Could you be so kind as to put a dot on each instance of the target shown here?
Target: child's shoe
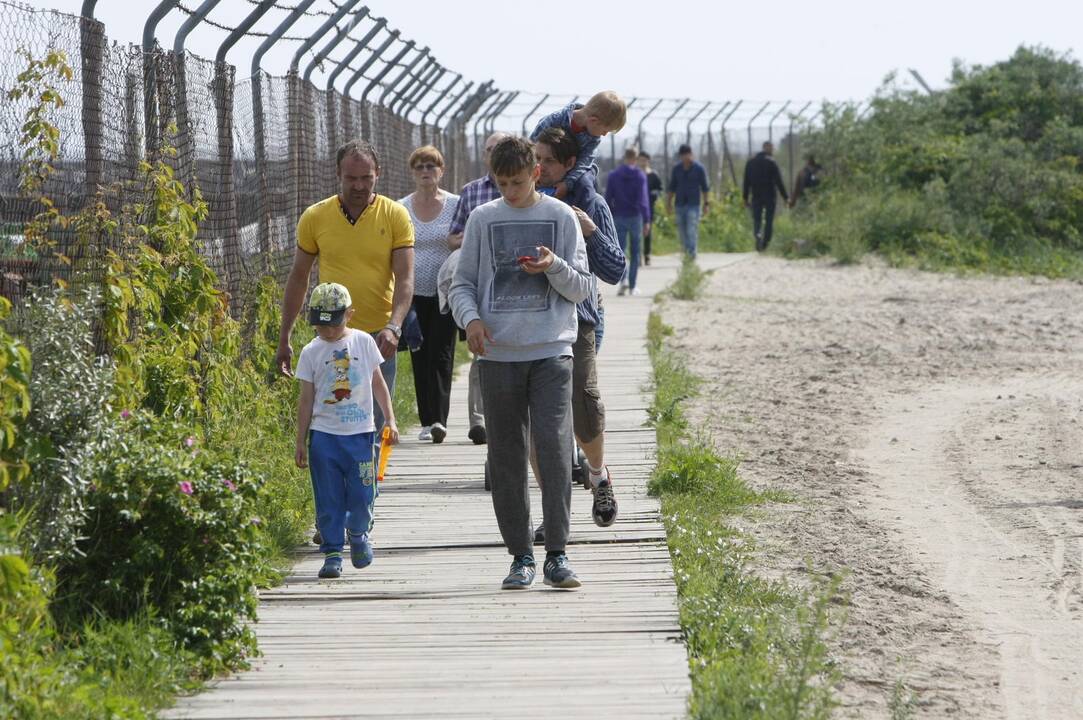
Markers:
(360, 550)
(332, 566)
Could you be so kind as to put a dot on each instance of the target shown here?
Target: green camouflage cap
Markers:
(327, 304)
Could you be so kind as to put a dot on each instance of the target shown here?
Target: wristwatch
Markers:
(396, 329)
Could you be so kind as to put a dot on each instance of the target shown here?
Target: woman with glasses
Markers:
(431, 210)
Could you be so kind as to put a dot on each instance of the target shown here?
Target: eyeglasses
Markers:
(426, 166)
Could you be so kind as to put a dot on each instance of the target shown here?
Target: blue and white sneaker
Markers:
(332, 566)
(558, 574)
(360, 550)
(521, 575)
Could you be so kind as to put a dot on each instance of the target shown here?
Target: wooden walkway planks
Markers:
(425, 631)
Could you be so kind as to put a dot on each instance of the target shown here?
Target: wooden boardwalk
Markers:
(425, 631)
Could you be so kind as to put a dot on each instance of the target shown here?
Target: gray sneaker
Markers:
(558, 574)
(521, 575)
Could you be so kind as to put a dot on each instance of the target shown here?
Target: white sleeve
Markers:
(305, 370)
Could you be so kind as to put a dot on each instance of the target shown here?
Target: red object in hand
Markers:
(527, 258)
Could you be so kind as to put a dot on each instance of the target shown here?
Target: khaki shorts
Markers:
(588, 412)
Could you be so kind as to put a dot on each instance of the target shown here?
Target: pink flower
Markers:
(229, 484)
(189, 441)
(125, 414)
(186, 487)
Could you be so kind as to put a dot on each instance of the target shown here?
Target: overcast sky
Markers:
(707, 50)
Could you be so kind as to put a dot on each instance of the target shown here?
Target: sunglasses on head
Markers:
(426, 166)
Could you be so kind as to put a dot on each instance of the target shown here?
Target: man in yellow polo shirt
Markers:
(364, 241)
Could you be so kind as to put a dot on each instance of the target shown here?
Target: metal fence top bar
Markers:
(323, 30)
(151, 26)
(274, 37)
(241, 30)
(359, 46)
(190, 24)
(334, 42)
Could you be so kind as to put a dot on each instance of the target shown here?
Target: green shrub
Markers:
(71, 419)
(14, 400)
(173, 529)
(984, 175)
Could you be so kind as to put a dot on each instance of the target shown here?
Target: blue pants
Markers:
(630, 231)
(344, 483)
(688, 228)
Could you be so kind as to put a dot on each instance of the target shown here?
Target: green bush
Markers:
(14, 400)
(173, 529)
(71, 418)
(984, 175)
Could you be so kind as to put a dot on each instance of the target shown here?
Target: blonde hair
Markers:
(609, 108)
(426, 153)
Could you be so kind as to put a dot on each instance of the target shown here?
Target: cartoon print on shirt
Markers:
(340, 387)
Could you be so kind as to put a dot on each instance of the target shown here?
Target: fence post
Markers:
(430, 77)
(92, 40)
(726, 156)
(751, 120)
(439, 99)
(639, 128)
(150, 79)
(526, 133)
(665, 134)
(710, 145)
(186, 154)
(261, 160)
(497, 97)
(771, 123)
(789, 138)
(334, 42)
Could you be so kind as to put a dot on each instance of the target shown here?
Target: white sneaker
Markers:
(426, 434)
(634, 292)
(622, 289)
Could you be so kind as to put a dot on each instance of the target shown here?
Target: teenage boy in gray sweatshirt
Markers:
(522, 269)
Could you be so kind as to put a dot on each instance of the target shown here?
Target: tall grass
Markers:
(756, 647)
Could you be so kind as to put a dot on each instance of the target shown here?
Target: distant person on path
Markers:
(629, 200)
(365, 242)
(473, 195)
(522, 269)
(654, 191)
(604, 113)
(556, 152)
(688, 185)
(340, 375)
(762, 179)
(808, 178)
(431, 211)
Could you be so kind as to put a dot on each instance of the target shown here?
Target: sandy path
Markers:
(931, 428)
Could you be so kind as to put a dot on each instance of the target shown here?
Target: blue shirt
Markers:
(687, 184)
(588, 144)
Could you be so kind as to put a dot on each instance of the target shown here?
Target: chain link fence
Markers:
(262, 148)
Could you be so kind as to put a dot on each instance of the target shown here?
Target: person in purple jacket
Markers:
(626, 194)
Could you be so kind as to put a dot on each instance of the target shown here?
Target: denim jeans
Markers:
(343, 483)
(630, 229)
(688, 228)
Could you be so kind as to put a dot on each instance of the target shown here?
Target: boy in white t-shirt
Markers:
(340, 375)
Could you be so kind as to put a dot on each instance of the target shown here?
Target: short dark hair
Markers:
(644, 154)
(511, 156)
(561, 142)
(361, 148)
(684, 149)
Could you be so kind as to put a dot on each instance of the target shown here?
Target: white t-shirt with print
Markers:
(341, 372)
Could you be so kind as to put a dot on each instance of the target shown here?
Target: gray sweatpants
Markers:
(534, 396)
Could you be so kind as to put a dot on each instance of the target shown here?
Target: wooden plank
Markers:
(425, 631)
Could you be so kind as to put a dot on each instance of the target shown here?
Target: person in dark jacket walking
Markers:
(762, 177)
(654, 191)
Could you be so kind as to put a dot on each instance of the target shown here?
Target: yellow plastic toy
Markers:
(385, 454)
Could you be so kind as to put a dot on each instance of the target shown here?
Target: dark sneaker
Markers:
(317, 539)
(477, 434)
(580, 474)
(360, 550)
(539, 534)
(521, 574)
(332, 566)
(439, 432)
(604, 508)
(558, 574)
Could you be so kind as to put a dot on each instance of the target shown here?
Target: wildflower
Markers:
(229, 483)
(186, 487)
(189, 441)
(125, 414)
(255, 521)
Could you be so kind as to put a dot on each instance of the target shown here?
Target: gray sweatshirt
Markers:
(531, 317)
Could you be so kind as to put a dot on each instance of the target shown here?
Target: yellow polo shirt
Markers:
(359, 255)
